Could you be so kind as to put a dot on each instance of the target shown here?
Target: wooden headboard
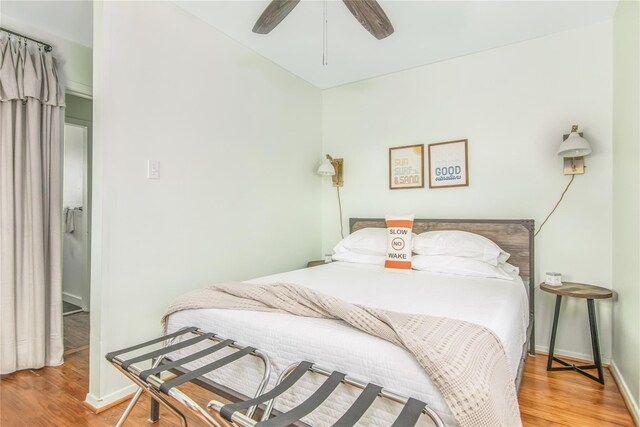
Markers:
(512, 235)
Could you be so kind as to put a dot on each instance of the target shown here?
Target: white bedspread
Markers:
(497, 304)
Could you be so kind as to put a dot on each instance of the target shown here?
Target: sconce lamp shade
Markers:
(326, 168)
(574, 145)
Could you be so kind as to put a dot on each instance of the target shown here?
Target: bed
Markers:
(506, 307)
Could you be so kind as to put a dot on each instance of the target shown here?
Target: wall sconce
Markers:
(333, 167)
(573, 148)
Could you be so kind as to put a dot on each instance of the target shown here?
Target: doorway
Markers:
(76, 224)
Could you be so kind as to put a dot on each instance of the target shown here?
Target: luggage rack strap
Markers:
(227, 411)
(168, 385)
(176, 363)
(166, 350)
(113, 354)
(306, 407)
(359, 407)
(410, 414)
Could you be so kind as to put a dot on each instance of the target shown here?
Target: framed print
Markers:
(406, 167)
(448, 164)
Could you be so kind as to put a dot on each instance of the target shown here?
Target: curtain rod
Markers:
(47, 47)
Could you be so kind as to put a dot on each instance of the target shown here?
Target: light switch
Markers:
(153, 169)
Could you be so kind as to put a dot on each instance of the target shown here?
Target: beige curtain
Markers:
(31, 126)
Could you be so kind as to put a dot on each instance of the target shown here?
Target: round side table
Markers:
(590, 293)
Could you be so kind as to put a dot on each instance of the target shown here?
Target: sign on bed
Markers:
(399, 229)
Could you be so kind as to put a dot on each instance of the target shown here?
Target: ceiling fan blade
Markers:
(370, 14)
(273, 15)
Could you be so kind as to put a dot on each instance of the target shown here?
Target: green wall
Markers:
(626, 199)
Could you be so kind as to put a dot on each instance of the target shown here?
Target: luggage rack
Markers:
(150, 381)
(218, 414)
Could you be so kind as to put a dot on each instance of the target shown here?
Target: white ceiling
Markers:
(425, 32)
(72, 20)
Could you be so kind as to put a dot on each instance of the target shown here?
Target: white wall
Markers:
(74, 152)
(75, 283)
(513, 104)
(238, 139)
(74, 60)
(626, 199)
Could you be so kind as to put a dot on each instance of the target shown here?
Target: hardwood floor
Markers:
(54, 396)
(76, 332)
(569, 399)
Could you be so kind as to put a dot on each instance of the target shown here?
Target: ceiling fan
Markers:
(367, 12)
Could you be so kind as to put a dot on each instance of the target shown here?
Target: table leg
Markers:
(554, 330)
(595, 340)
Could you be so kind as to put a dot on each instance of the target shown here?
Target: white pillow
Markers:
(510, 269)
(459, 244)
(459, 266)
(357, 258)
(367, 241)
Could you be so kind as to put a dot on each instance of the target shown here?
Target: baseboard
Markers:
(632, 405)
(109, 401)
(72, 299)
(572, 354)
